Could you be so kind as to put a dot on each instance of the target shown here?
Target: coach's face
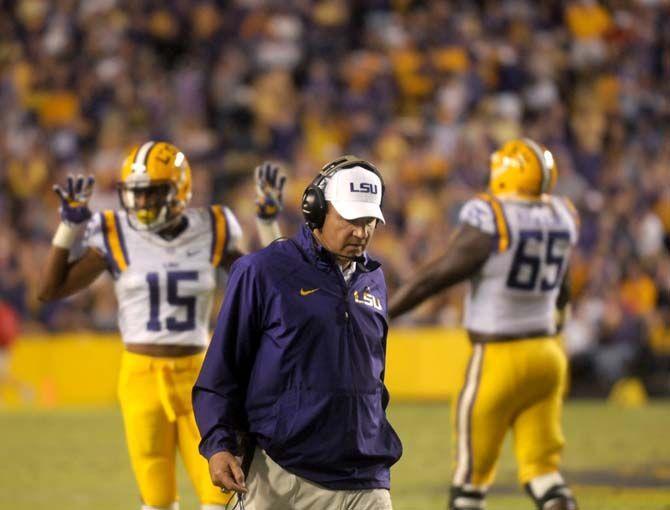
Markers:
(346, 237)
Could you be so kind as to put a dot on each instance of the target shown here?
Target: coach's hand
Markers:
(226, 472)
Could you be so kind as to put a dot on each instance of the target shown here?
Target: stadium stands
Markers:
(424, 88)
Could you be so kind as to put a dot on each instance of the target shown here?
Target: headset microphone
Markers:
(354, 258)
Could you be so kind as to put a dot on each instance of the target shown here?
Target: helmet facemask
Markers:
(150, 206)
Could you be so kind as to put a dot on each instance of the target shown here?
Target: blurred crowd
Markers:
(425, 89)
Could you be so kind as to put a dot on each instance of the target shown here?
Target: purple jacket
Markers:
(297, 360)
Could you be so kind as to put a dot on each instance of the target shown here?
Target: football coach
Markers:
(296, 363)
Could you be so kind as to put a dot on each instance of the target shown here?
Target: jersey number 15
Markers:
(173, 298)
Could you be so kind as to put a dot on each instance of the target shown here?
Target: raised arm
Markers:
(466, 251)
(270, 181)
(62, 278)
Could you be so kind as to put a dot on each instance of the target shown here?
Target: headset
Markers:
(314, 205)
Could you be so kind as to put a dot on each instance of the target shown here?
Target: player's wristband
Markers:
(266, 211)
(66, 235)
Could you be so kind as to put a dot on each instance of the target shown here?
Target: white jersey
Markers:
(515, 291)
(164, 288)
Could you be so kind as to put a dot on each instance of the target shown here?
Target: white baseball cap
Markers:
(355, 193)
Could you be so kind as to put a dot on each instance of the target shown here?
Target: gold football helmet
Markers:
(155, 185)
(523, 169)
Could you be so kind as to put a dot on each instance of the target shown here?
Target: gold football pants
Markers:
(515, 385)
(155, 396)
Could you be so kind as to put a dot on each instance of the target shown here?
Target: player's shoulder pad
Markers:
(570, 207)
(109, 224)
(568, 210)
(478, 212)
(197, 213)
(486, 212)
(94, 225)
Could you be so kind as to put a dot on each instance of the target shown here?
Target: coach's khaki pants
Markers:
(271, 487)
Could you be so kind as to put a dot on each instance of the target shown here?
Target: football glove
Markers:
(269, 190)
(74, 199)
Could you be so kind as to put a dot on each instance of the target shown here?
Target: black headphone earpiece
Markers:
(314, 206)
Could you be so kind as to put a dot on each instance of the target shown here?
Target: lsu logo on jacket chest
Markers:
(368, 299)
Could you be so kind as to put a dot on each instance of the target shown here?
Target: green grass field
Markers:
(616, 459)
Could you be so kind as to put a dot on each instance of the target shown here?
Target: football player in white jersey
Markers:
(164, 258)
(513, 245)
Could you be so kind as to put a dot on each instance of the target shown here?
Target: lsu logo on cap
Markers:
(356, 193)
(363, 187)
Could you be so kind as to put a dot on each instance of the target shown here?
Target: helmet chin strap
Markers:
(174, 227)
(158, 223)
(172, 222)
